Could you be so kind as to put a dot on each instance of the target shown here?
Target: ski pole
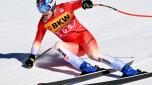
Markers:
(123, 12)
(44, 52)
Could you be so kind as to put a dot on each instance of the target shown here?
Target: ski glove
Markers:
(86, 4)
(29, 62)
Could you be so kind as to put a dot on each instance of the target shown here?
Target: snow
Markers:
(122, 36)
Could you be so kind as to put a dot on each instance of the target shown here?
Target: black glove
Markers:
(86, 4)
(29, 62)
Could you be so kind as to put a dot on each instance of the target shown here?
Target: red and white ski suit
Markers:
(65, 25)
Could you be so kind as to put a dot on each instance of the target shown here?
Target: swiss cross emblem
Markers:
(61, 10)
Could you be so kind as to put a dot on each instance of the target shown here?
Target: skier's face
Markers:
(48, 14)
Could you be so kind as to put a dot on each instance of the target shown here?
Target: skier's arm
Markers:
(36, 45)
(38, 39)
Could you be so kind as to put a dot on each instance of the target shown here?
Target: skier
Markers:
(76, 39)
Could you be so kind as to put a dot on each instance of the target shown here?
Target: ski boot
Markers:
(87, 68)
(129, 71)
(29, 62)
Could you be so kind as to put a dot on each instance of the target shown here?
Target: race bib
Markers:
(59, 22)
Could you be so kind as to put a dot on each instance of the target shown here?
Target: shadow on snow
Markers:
(19, 56)
(48, 62)
(51, 61)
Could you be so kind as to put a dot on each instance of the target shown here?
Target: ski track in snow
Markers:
(117, 34)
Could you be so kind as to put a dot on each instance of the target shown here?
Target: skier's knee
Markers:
(94, 57)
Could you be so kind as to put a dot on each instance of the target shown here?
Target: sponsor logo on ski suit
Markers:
(59, 22)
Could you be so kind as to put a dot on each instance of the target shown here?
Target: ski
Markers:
(125, 79)
(82, 77)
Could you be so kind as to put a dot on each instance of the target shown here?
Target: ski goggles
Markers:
(45, 6)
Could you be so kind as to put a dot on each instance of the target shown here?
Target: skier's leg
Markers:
(92, 50)
(69, 55)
